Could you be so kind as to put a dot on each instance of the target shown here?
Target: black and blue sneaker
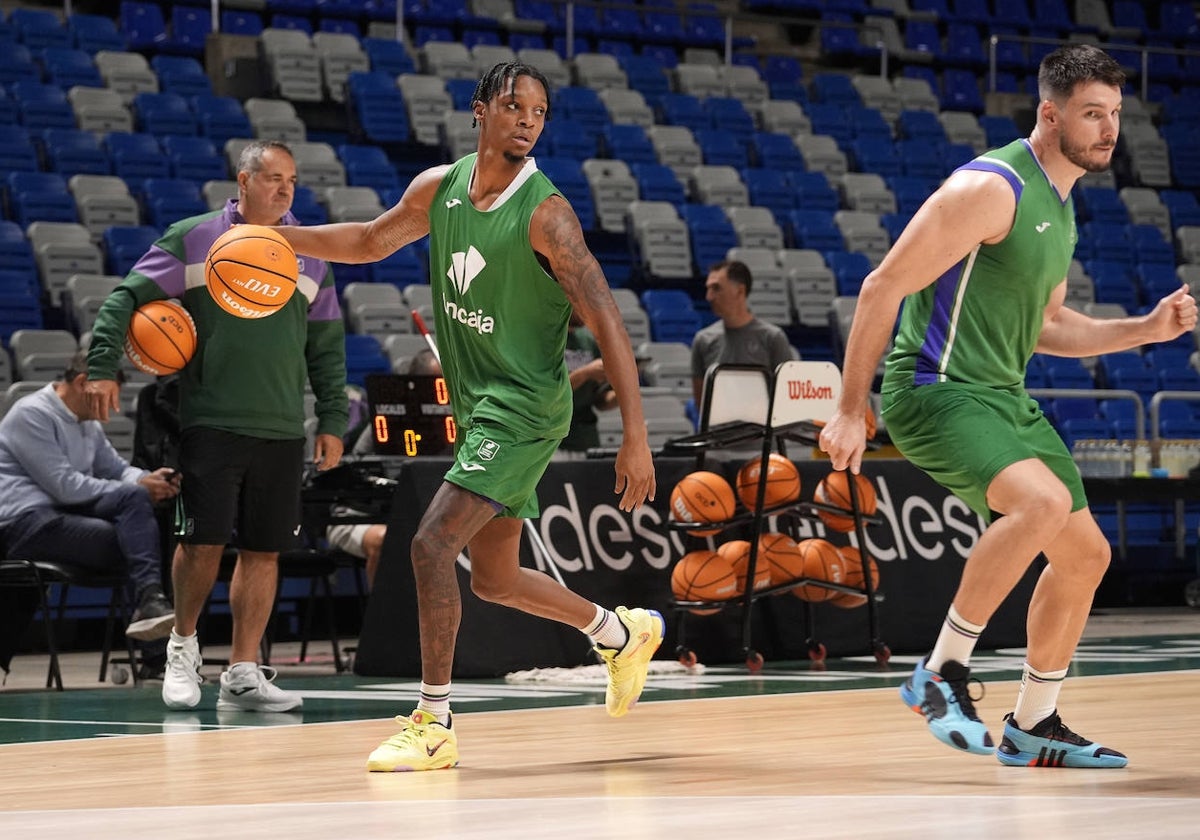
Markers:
(945, 703)
(1051, 744)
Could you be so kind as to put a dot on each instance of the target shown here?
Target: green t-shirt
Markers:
(980, 321)
(501, 319)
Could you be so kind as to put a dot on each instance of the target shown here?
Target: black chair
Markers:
(43, 574)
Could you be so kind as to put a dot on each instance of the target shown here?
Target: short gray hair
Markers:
(250, 160)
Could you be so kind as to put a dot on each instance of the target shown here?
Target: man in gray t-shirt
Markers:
(738, 337)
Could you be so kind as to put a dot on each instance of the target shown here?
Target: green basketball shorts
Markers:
(963, 435)
(496, 463)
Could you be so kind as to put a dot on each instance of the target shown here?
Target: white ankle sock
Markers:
(956, 641)
(435, 699)
(606, 630)
(1038, 696)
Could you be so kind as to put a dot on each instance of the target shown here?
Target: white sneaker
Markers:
(181, 679)
(250, 687)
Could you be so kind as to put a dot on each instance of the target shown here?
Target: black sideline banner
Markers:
(615, 558)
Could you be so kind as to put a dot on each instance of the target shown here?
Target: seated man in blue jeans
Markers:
(67, 495)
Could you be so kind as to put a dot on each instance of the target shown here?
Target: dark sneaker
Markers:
(153, 619)
(945, 702)
(1051, 744)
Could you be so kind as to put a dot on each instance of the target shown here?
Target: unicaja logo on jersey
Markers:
(464, 268)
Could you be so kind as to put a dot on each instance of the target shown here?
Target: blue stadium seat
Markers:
(775, 150)
(629, 143)
(16, 256)
(39, 196)
(658, 182)
(815, 229)
(1149, 246)
(960, 91)
(704, 26)
(583, 105)
(664, 54)
(728, 113)
(999, 129)
(72, 152)
(388, 56)
(910, 192)
(921, 158)
(17, 152)
(19, 66)
(142, 24)
(167, 200)
(815, 193)
(300, 24)
(920, 125)
(241, 22)
(190, 28)
(377, 107)
(136, 157)
(180, 74)
(1101, 204)
(221, 118)
(67, 67)
(92, 33)
(1079, 428)
(567, 175)
(964, 46)
(663, 25)
(1062, 372)
(401, 269)
(194, 158)
(923, 36)
(164, 113)
(368, 166)
(849, 268)
(364, 355)
(721, 147)
(683, 109)
(569, 138)
(1011, 13)
(42, 106)
(834, 89)
(832, 119)
(462, 93)
(309, 211)
(124, 246)
(876, 154)
(784, 76)
(771, 188)
(39, 29)
(645, 75)
(711, 233)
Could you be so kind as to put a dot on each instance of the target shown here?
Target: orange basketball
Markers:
(834, 490)
(161, 338)
(251, 271)
(702, 497)
(783, 481)
(738, 553)
(852, 576)
(780, 554)
(821, 561)
(703, 575)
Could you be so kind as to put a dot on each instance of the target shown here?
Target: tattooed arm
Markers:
(363, 242)
(556, 236)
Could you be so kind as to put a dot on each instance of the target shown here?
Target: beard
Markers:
(513, 158)
(1083, 156)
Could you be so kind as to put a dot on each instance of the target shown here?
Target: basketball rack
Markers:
(746, 404)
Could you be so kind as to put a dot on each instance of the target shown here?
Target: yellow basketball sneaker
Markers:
(627, 667)
(421, 744)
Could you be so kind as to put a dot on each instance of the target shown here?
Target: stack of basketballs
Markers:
(714, 576)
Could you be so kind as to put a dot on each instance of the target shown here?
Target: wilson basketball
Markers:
(783, 481)
(703, 575)
(251, 271)
(821, 561)
(852, 576)
(702, 497)
(780, 554)
(834, 490)
(161, 338)
(738, 553)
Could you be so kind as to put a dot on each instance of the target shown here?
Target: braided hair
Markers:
(500, 79)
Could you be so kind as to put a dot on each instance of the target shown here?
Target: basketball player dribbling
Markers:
(981, 271)
(508, 265)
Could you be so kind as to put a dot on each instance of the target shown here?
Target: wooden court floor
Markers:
(787, 753)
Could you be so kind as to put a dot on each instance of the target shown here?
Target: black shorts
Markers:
(239, 489)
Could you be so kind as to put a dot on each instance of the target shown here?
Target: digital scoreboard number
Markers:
(411, 415)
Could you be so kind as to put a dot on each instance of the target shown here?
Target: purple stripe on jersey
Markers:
(985, 165)
(164, 269)
(199, 239)
(938, 331)
(325, 306)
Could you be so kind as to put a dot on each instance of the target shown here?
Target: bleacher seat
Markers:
(163, 113)
(194, 158)
(124, 246)
(92, 33)
(128, 73)
(378, 107)
(41, 106)
(221, 118)
(103, 201)
(167, 200)
(180, 74)
(17, 152)
(39, 196)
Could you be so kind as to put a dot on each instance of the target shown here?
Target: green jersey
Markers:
(501, 319)
(980, 321)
